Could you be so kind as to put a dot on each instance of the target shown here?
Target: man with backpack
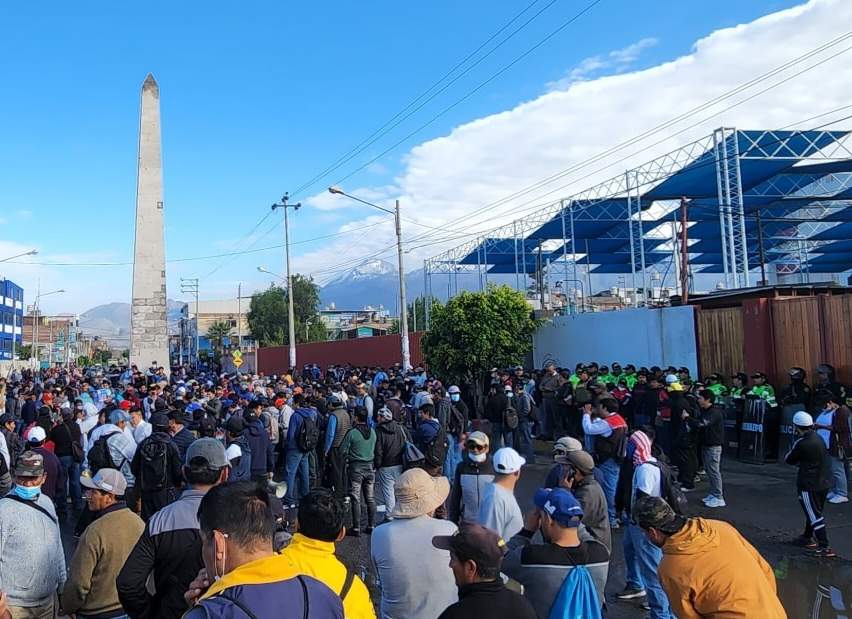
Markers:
(610, 446)
(302, 438)
(359, 448)
(431, 439)
(456, 424)
(112, 448)
(181, 436)
(262, 456)
(388, 456)
(156, 465)
(563, 562)
(337, 426)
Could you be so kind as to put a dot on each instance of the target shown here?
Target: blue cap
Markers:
(560, 505)
(193, 406)
(118, 415)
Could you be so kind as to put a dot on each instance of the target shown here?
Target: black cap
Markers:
(160, 420)
(759, 375)
(179, 416)
(235, 425)
(474, 542)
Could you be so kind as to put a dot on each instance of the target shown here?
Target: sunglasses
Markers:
(476, 447)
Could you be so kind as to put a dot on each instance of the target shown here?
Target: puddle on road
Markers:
(811, 588)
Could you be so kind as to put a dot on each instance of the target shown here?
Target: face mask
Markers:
(29, 493)
(455, 397)
(478, 458)
(509, 394)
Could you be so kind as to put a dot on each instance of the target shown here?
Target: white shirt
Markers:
(4, 451)
(596, 427)
(647, 478)
(284, 417)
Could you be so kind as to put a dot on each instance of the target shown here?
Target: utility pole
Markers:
(190, 285)
(240, 316)
(291, 321)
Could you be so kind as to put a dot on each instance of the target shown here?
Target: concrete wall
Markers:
(639, 336)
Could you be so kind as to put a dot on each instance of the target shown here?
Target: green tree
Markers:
(83, 361)
(217, 332)
(267, 316)
(417, 313)
(24, 352)
(101, 356)
(476, 331)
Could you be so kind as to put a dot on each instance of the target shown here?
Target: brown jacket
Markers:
(100, 555)
(710, 571)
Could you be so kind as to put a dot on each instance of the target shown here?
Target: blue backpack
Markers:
(577, 597)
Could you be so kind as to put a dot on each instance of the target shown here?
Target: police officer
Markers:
(762, 389)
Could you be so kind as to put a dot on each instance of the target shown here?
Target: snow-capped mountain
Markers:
(367, 270)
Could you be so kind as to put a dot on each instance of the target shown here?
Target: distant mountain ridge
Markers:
(111, 321)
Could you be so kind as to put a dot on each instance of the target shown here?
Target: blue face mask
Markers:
(29, 493)
(455, 397)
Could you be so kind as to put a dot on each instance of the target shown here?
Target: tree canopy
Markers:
(267, 316)
(476, 331)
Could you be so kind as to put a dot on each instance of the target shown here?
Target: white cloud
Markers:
(489, 158)
(616, 61)
(24, 213)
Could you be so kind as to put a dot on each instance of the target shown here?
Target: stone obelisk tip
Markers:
(150, 84)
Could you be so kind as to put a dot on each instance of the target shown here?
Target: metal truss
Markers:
(620, 200)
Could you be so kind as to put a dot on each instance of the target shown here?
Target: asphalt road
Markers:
(761, 505)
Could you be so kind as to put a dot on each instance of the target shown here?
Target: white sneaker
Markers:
(715, 502)
(830, 496)
(707, 499)
(838, 498)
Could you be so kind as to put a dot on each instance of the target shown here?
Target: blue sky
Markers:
(254, 103)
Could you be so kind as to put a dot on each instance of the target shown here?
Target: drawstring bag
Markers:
(577, 597)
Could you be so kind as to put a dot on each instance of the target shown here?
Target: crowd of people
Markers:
(199, 495)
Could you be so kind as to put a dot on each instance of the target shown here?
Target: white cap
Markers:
(453, 389)
(671, 378)
(507, 461)
(233, 452)
(36, 435)
(567, 444)
(803, 420)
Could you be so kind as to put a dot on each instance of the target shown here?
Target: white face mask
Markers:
(478, 458)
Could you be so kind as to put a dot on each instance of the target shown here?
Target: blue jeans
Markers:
(298, 469)
(606, 474)
(643, 560)
(72, 473)
(453, 457)
(523, 440)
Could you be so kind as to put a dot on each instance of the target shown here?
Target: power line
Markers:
(402, 115)
(472, 92)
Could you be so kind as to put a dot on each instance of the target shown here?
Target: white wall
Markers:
(646, 337)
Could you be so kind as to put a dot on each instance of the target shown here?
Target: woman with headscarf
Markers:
(641, 556)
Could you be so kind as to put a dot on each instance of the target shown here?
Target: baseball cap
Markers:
(803, 420)
(507, 461)
(385, 413)
(476, 543)
(653, 511)
(178, 415)
(479, 438)
(671, 378)
(580, 460)
(565, 445)
(160, 420)
(235, 425)
(233, 451)
(207, 424)
(210, 451)
(29, 464)
(117, 416)
(560, 505)
(36, 435)
(453, 389)
(759, 375)
(106, 480)
(6, 418)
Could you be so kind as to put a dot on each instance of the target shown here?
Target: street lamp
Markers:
(32, 252)
(291, 322)
(39, 295)
(403, 306)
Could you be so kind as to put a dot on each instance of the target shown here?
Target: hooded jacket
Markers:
(261, 586)
(809, 454)
(241, 467)
(709, 570)
(390, 443)
(262, 455)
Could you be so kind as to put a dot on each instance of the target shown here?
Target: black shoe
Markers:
(369, 530)
(630, 593)
(804, 542)
(354, 532)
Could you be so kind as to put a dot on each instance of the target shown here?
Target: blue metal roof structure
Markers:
(743, 189)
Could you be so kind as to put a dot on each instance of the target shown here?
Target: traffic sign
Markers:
(237, 358)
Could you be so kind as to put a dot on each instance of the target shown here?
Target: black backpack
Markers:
(153, 472)
(308, 437)
(510, 418)
(671, 490)
(435, 452)
(99, 456)
(455, 423)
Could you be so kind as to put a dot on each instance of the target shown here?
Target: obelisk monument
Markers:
(149, 338)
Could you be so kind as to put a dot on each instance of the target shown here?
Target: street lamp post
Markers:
(291, 321)
(32, 252)
(39, 295)
(403, 306)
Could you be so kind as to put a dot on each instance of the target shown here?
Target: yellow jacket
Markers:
(315, 558)
(709, 571)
